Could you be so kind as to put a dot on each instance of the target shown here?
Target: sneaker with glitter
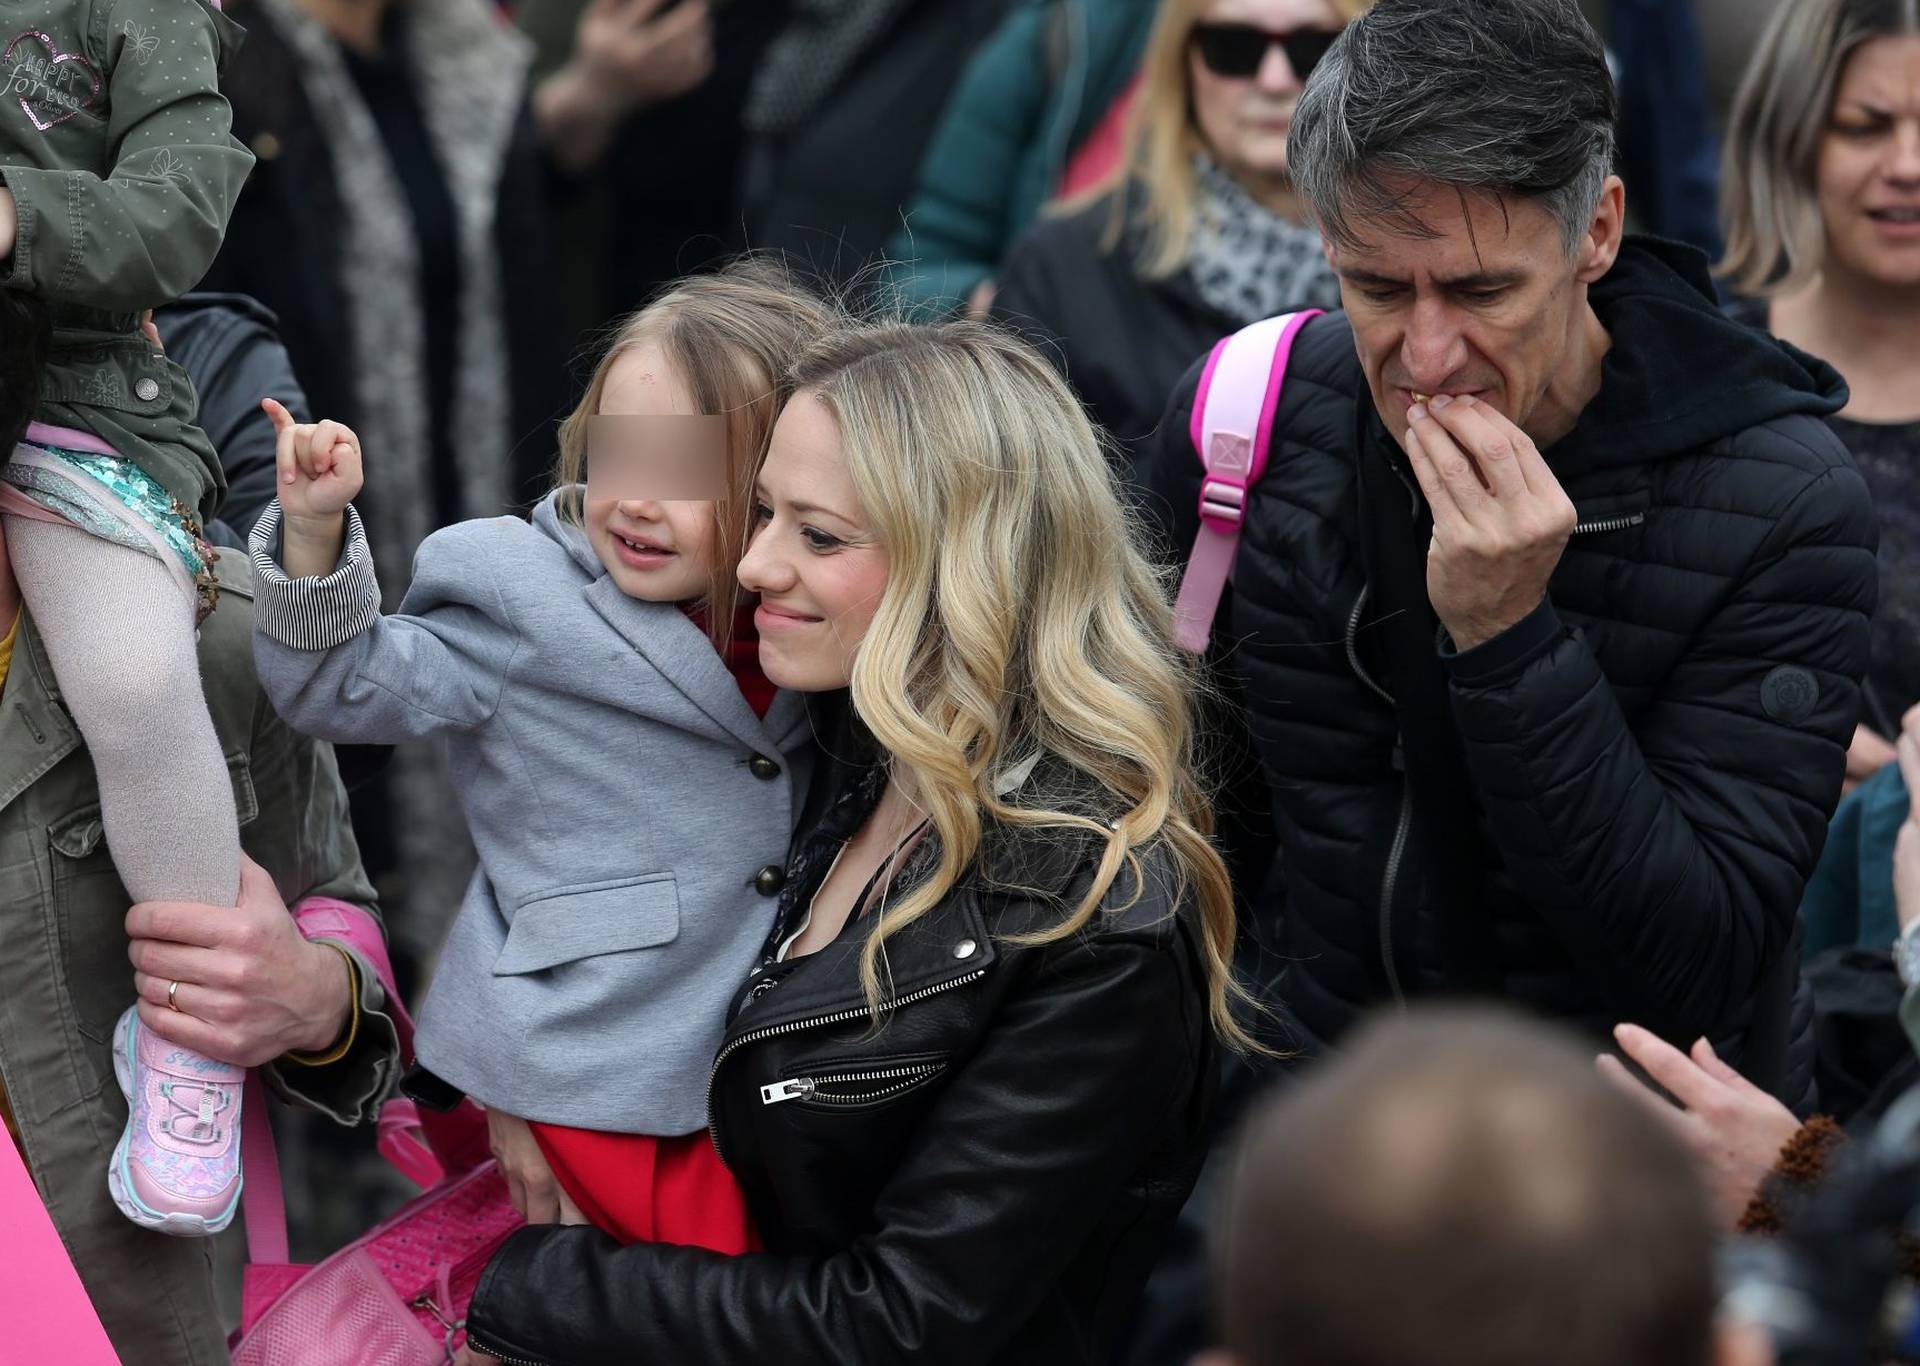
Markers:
(176, 1168)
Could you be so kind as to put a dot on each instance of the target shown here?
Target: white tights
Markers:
(119, 633)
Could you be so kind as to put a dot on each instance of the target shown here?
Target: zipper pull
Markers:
(794, 1088)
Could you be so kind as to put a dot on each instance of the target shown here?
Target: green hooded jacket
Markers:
(116, 145)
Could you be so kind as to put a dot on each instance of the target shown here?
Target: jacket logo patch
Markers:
(1789, 694)
(51, 86)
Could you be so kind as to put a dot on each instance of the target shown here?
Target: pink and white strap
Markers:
(1231, 430)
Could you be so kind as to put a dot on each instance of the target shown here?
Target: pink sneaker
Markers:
(176, 1168)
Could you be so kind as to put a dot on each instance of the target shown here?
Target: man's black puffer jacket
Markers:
(988, 1178)
(1656, 750)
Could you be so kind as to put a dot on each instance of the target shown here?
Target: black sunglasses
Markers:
(1237, 50)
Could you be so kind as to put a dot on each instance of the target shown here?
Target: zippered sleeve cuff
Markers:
(348, 1089)
(313, 613)
(1495, 661)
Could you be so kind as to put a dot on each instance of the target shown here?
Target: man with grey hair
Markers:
(1553, 599)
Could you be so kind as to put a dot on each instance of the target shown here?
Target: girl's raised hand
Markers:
(318, 465)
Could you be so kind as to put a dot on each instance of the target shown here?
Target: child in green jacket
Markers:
(118, 171)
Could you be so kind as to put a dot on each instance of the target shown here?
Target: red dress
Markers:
(645, 1189)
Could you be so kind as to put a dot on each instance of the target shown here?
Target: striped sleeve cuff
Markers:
(315, 613)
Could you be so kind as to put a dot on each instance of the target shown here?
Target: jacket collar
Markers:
(939, 950)
(669, 641)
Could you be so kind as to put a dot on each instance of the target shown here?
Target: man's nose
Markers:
(1432, 349)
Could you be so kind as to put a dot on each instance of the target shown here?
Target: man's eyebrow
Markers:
(1479, 279)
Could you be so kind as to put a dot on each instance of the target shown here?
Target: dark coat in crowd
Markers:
(285, 248)
(986, 1178)
(1647, 762)
(230, 347)
(838, 118)
(1123, 341)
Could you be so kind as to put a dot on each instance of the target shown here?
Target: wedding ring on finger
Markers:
(172, 1004)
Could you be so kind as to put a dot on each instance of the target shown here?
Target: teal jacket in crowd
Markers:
(1031, 95)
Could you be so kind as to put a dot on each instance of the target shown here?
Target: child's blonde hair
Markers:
(731, 334)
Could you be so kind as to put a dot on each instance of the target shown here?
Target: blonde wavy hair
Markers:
(1769, 200)
(730, 334)
(1161, 139)
(1019, 620)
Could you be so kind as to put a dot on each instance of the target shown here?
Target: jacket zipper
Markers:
(1353, 645)
(1394, 854)
(1610, 524)
(808, 1088)
(794, 1026)
(480, 1344)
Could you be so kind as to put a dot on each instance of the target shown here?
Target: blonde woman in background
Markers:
(966, 1087)
(1199, 231)
(1821, 195)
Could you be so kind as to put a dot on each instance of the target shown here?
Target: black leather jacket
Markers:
(986, 1178)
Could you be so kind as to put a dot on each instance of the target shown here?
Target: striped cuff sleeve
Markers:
(315, 613)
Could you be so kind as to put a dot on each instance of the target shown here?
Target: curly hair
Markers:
(1020, 619)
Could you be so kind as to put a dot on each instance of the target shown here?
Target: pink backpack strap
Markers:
(1232, 426)
(401, 1141)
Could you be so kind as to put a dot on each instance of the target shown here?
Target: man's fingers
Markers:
(1716, 1067)
(179, 1027)
(1674, 1070)
(277, 413)
(1455, 467)
(1492, 447)
(1439, 500)
(179, 963)
(179, 922)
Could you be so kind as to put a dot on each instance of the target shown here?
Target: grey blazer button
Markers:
(964, 949)
(770, 879)
(147, 390)
(760, 766)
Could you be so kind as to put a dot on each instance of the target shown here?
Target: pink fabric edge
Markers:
(1276, 381)
(68, 438)
(1197, 424)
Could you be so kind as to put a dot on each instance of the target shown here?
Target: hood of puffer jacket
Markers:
(1681, 374)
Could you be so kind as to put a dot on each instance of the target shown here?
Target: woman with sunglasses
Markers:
(1198, 232)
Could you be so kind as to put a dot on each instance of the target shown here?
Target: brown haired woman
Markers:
(1822, 205)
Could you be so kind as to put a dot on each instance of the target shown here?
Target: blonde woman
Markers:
(1199, 231)
(1822, 209)
(966, 1086)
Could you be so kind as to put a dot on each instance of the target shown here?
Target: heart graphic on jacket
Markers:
(51, 86)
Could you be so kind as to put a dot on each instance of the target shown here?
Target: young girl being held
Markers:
(630, 777)
(118, 170)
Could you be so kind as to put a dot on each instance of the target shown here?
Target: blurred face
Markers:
(654, 550)
(818, 568)
(1868, 177)
(1244, 118)
(1491, 305)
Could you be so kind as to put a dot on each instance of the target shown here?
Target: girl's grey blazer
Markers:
(623, 797)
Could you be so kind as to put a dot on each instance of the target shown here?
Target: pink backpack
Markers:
(397, 1295)
(1232, 424)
